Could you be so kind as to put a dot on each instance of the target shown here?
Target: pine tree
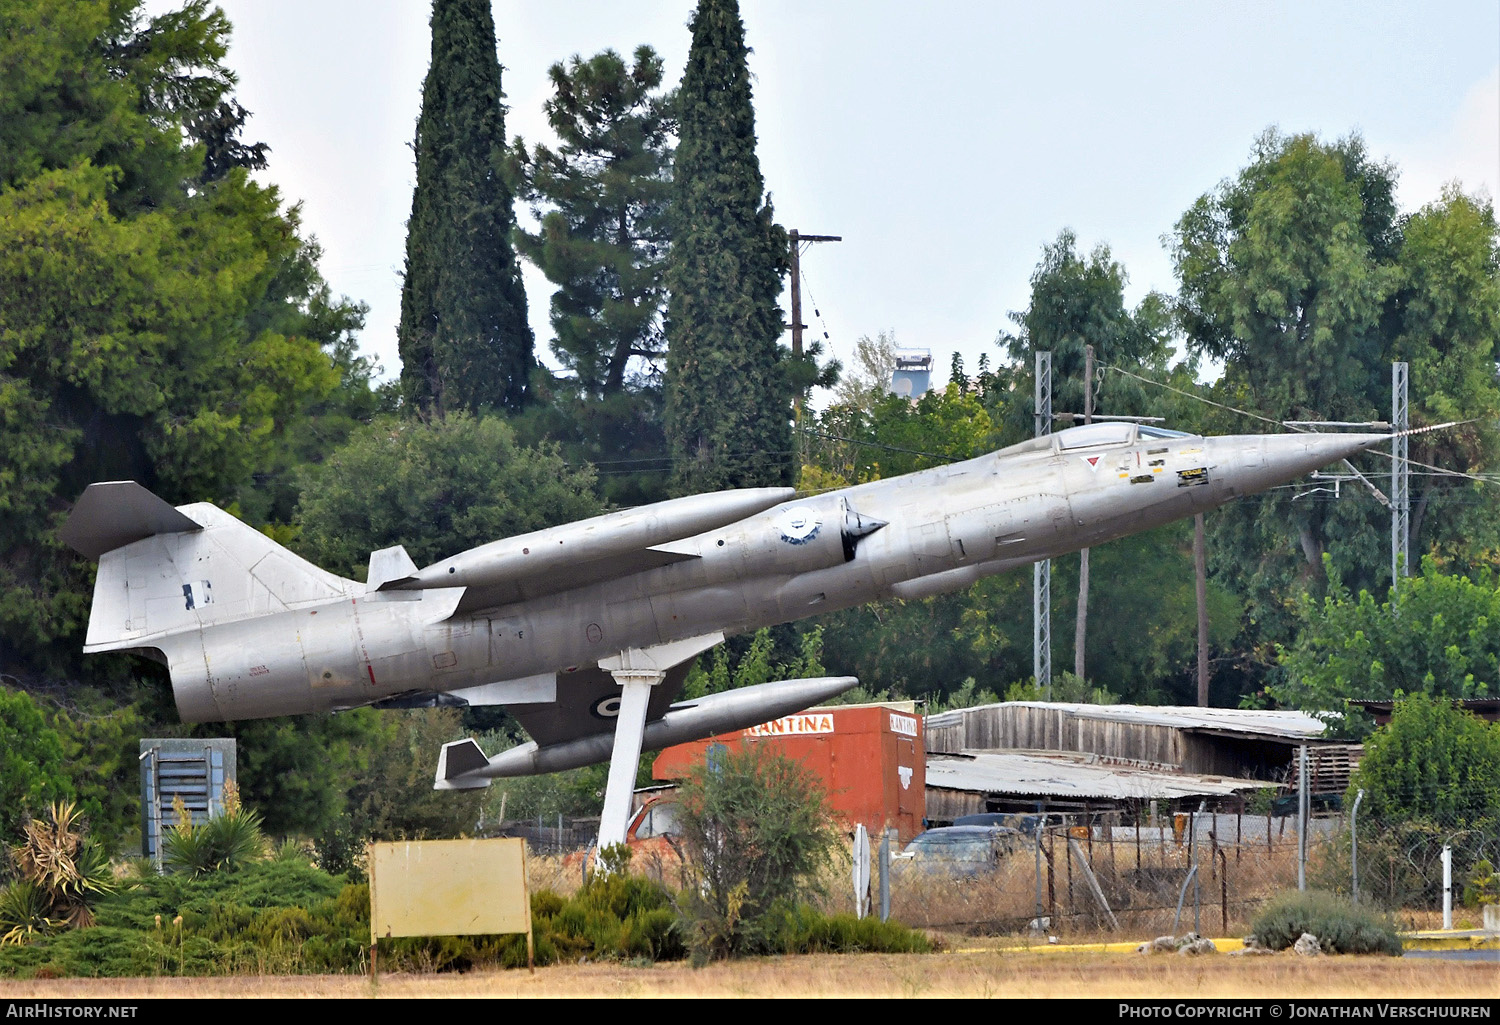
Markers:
(728, 408)
(601, 197)
(464, 337)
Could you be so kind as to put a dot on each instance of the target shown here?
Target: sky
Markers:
(946, 142)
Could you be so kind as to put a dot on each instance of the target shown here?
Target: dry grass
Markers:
(956, 973)
(1141, 885)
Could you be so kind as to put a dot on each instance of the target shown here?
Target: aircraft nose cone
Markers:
(1246, 464)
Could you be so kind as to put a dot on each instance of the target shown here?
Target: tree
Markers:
(756, 828)
(438, 488)
(1078, 301)
(601, 198)
(92, 81)
(1439, 635)
(32, 769)
(1299, 274)
(1286, 276)
(164, 323)
(728, 408)
(394, 800)
(1433, 762)
(874, 363)
(464, 339)
(1448, 328)
(1078, 304)
(754, 666)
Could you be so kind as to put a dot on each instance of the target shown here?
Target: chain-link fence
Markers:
(1396, 861)
(1207, 871)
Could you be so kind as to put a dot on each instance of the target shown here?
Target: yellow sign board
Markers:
(449, 888)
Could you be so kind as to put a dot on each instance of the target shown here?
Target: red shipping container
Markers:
(871, 758)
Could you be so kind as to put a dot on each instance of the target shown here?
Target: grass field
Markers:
(970, 973)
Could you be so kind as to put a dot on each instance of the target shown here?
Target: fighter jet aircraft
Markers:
(586, 631)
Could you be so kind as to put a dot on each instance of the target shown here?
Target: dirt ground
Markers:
(966, 972)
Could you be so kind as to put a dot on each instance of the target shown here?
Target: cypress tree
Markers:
(728, 410)
(464, 337)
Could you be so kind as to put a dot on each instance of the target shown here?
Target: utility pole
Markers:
(1041, 572)
(797, 238)
(1400, 480)
(1200, 582)
(1081, 623)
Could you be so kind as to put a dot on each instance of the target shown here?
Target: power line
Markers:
(1302, 430)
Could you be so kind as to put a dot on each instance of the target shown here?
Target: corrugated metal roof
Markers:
(1262, 722)
(1076, 777)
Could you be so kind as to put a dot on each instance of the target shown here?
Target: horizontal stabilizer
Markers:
(388, 566)
(457, 758)
(116, 513)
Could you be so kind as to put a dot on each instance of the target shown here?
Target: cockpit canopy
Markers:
(1100, 435)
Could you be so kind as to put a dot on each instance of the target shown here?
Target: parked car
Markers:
(958, 850)
(1022, 821)
(652, 838)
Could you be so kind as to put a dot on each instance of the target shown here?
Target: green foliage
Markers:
(1078, 301)
(1438, 635)
(226, 841)
(91, 80)
(393, 799)
(1341, 926)
(805, 930)
(464, 338)
(33, 770)
(60, 873)
(1300, 276)
(25, 910)
(756, 829)
(1065, 687)
(1483, 885)
(438, 487)
(601, 199)
(728, 401)
(340, 849)
(299, 771)
(162, 317)
(852, 445)
(1434, 763)
(754, 665)
(100, 734)
(969, 695)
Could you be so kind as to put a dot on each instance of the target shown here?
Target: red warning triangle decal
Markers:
(1093, 460)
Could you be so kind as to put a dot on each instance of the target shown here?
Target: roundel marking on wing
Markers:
(799, 525)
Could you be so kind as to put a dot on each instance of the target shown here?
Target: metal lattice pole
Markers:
(1041, 572)
(1400, 477)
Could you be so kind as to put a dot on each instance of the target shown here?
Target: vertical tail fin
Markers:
(165, 570)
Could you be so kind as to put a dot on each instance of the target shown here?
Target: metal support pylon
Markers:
(1041, 572)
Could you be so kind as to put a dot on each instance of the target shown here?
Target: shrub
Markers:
(66, 872)
(806, 930)
(1483, 886)
(227, 840)
(24, 908)
(1341, 926)
(757, 831)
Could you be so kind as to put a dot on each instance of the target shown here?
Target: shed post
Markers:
(885, 875)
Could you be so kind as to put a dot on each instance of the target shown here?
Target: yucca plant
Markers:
(227, 840)
(24, 915)
(64, 869)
